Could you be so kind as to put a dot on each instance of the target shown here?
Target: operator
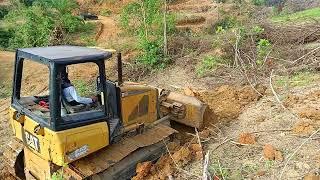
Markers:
(70, 93)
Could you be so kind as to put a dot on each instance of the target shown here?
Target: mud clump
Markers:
(247, 138)
(310, 113)
(303, 128)
(270, 153)
(227, 102)
(143, 169)
(290, 100)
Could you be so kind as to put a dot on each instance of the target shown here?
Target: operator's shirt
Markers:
(70, 94)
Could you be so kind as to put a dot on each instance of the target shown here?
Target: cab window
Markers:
(34, 94)
(81, 98)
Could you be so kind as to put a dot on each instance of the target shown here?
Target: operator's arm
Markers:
(79, 99)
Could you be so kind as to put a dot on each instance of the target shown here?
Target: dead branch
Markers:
(274, 92)
(205, 166)
(310, 52)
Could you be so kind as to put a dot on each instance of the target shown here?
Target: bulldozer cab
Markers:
(50, 109)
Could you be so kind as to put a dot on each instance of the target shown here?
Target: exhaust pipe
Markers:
(119, 59)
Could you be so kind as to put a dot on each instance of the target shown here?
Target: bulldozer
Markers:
(128, 124)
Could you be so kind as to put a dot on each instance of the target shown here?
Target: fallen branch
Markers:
(205, 167)
(274, 92)
(254, 145)
(306, 54)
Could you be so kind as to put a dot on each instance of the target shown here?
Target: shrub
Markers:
(208, 63)
(144, 19)
(4, 10)
(30, 27)
(4, 38)
(37, 24)
(263, 48)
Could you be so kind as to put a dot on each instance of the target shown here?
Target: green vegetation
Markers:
(105, 12)
(264, 47)
(268, 164)
(31, 23)
(3, 11)
(258, 2)
(301, 16)
(207, 64)
(145, 20)
(84, 88)
(5, 91)
(297, 80)
(219, 171)
(85, 36)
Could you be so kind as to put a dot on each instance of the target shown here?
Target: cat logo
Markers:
(32, 141)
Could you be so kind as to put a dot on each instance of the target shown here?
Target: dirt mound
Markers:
(226, 102)
(310, 113)
(270, 153)
(303, 128)
(247, 138)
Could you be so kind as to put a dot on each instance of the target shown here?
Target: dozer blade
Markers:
(194, 109)
(112, 161)
(13, 157)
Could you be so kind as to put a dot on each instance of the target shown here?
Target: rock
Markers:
(303, 128)
(261, 118)
(199, 155)
(269, 152)
(261, 173)
(247, 138)
(188, 91)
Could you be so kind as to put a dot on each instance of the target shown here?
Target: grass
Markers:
(297, 80)
(85, 36)
(105, 12)
(300, 16)
(84, 88)
(219, 170)
(5, 91)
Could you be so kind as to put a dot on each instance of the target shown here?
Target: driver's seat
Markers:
(73, 109)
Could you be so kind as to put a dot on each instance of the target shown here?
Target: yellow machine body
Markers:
(139, 106)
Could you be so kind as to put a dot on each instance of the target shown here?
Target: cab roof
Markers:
(63, 54)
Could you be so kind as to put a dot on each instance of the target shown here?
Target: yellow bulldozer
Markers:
(128, 123)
